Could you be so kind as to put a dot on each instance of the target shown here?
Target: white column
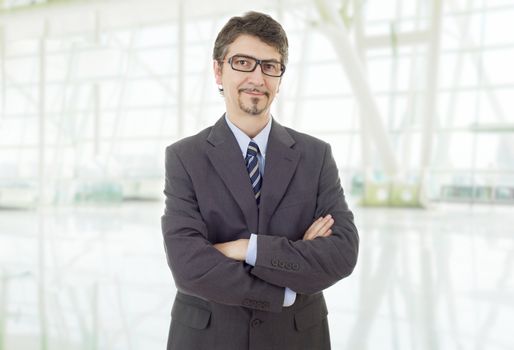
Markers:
(97, 132)
(3, 308)
(181, 72)
(42, 190)
(364, 131)
(430, 108)
(2, 72)
(96, 93)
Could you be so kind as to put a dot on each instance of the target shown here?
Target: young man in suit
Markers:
(256, 225)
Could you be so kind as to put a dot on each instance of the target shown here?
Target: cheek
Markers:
(235, 84)
(273, 87)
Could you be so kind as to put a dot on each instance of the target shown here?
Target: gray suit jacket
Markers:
(228, 305)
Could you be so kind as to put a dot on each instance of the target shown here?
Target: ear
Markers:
(217, 71)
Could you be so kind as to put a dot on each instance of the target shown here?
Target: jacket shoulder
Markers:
(190, 143)
(306, 140)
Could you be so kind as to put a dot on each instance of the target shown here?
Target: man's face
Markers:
(249, 93)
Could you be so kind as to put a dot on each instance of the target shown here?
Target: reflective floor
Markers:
(427, 279)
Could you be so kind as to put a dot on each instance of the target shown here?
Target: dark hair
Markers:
(253, 23)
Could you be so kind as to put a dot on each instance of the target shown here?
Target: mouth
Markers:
(254, 92)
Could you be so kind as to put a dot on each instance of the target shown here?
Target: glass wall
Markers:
(91, 93)
(91, 106)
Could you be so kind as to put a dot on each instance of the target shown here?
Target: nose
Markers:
(256, 77)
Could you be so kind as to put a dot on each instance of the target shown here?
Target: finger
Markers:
(319, 224)
(326, 233)
(327, 220)
(324, 230)
(326, 225)
(314, 235)
(316, 222)
(315, 227)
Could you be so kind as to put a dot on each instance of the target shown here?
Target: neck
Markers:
(251, 125)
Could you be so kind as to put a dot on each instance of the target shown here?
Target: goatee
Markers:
(253, 109)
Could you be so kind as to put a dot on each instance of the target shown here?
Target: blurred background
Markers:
(415, 97)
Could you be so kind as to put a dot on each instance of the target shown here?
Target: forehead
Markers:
(252, 46)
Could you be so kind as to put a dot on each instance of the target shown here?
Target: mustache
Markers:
(254, 90)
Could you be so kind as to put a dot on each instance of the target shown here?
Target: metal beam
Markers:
(124, 72)
(300, 77)
(415, 37)
(467, 41)
(336, 32)
(493, 127)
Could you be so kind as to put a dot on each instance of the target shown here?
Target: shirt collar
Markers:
(261, 139)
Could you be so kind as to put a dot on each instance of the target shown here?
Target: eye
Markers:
(271, 67)
(242, 62)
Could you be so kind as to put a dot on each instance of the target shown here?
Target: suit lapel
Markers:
(225, 155)
(280, 166)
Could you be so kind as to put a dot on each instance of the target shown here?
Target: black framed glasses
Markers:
(243, 63)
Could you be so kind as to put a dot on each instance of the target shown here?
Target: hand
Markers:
(319, 228)
(234, 249)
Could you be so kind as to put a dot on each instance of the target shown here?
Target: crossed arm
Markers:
(237, 249)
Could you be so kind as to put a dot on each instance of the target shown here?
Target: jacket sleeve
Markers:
(198, 268)
(308, 267)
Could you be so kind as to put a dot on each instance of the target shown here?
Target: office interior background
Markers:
(415, 97)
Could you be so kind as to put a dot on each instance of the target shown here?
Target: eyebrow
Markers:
(255, 58)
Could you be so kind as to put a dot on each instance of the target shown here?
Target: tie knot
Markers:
(253, 149)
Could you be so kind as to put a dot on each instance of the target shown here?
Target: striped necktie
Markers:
(252, 165)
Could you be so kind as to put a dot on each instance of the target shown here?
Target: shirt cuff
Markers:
(251, 252)
(289, 297)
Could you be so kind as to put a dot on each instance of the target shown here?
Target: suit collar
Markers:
(225, 155)
(219, 132)
(281, 163)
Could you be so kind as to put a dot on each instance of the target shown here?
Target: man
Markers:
(256, 224)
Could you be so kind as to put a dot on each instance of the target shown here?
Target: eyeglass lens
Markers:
(248, 64)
